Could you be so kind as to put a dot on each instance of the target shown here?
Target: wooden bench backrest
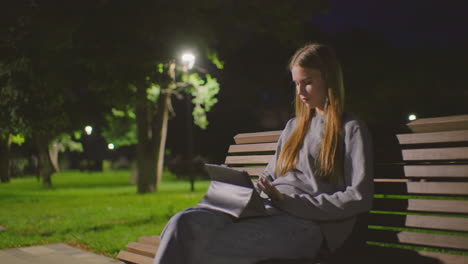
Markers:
(425, 206)
(425, 202)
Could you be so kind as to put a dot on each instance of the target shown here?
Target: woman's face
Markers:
(310, 87)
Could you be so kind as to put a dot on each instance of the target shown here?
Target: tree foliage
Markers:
(68, 64)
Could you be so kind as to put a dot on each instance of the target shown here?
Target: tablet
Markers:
(225, 174)
(232, 191)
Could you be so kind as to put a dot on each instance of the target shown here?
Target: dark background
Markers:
(399, 57)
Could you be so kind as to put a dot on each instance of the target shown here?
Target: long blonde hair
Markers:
(329, 163)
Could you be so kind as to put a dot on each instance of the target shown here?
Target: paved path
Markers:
(52, 254)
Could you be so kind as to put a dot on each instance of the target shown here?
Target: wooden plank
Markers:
(390, 180)
(459, 188)
(134, 258)
(437, 240)
(421, 205)
(259, 137)
(436, 170)
(257, 159)
(150, 240)
(419, 239)
(252, 148)
(449, 188)
(142, 249)
(434, 137)
(419, 221)
(252, 171)
(434, 124)
(436, 154)
(445, 258)
(437, 222)
(443, 206)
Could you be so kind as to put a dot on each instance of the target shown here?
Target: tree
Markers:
(109, 48)
(151, 34)
(40, 65)
(12, 123)
(153, 111)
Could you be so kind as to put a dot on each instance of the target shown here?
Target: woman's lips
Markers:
(303, 99)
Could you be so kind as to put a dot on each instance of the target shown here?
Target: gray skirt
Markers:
(199, 235)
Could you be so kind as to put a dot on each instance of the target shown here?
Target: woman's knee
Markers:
(195, 220)
(203, 217)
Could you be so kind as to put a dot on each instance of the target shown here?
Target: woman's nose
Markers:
(300, 89)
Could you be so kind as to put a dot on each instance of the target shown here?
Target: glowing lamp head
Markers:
(88, 130)
(412, 117)
(188, 60)
(110, 146)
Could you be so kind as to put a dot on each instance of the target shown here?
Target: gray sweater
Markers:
(333, 205)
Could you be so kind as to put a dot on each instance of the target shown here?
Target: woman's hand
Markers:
(264, 185)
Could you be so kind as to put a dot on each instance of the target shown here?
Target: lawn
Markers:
(98, 211)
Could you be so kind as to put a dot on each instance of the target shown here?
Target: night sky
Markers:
(405, 24)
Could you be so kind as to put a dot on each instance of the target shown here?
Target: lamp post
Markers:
(188, 60)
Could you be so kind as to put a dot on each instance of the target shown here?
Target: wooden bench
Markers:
(420, 212)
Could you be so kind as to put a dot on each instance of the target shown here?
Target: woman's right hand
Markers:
(264, 185)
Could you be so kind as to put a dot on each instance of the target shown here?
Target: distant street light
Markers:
(412, 117)
(88, 130)
(188, 60)
(110, 146)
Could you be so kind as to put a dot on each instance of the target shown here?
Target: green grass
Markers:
(98, 211)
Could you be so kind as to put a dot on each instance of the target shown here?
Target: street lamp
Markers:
(188, 60)
(412, 117)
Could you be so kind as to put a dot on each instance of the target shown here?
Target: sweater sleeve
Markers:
(358, 194)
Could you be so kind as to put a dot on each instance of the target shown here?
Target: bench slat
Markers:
(259, 137)
(252, 147)
(446, 206)
(434, 137)
(252, 171)
(142, 249)
(449, 188)
(456, 153)
(134, 258)
(436, 171)
(445, 258)
(434, 124)
(390, 180)
(420, 221)
(421, 205)
(446, 241)
(419, 239)
(437, 222)
(460, 188)
(258, 159)
(150, 240)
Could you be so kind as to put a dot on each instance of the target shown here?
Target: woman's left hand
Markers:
(269, 189)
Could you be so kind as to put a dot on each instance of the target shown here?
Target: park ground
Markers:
(96, 211)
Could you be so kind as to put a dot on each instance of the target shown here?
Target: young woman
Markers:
(319, 179)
